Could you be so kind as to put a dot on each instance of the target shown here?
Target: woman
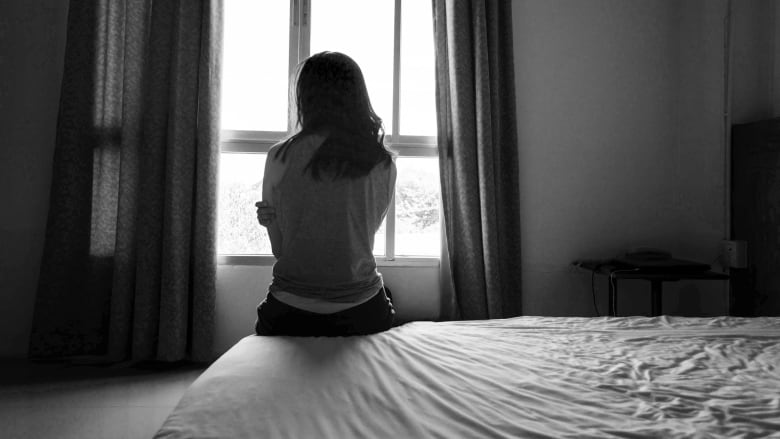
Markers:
(326, 191)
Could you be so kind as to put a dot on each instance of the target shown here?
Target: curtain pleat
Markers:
(125, 255)
(206, 168)
(137, 152)
(478, 155)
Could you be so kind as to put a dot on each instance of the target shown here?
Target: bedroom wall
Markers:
(755, 81)
(756, 73)
(32, 44)
(776, 60)
(621, 145)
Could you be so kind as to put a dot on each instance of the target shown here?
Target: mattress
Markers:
(507, 378)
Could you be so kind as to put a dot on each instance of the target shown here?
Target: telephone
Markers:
(647, 254)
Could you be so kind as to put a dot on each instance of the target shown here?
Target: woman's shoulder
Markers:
(302, 144)
(278, 150)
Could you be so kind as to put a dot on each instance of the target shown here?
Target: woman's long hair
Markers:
(331, 99)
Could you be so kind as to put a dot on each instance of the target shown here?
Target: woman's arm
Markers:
(274, 170)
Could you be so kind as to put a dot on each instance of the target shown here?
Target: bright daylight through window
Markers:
(392, 41)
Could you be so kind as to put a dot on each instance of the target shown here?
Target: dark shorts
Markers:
(278, 318)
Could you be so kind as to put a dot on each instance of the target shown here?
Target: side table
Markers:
(616, 271)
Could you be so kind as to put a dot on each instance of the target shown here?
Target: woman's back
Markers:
(328, 227)
(325, 193)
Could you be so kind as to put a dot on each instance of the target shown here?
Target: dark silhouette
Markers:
(326, 190)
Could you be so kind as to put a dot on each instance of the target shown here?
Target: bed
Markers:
(520, 377)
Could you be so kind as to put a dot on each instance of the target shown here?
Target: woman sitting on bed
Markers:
(326, 191)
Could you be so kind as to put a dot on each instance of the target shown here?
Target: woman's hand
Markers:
(265, 213)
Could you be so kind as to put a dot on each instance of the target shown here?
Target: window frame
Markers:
(260, 142)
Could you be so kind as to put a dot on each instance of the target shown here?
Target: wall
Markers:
(699, 207)
(620, 136)
(776, 59)
(756, 80)
(754, 94)
(32, 44)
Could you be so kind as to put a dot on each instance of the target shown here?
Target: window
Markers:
(392, 41)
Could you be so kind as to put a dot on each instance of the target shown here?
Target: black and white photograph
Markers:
(335, 219)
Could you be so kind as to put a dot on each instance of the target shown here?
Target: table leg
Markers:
(656, 295)
(612, 296)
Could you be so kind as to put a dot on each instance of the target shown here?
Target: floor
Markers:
(66, 401)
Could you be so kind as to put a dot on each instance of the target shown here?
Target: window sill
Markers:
(268, 261)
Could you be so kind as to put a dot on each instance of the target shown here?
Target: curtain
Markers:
(128, 270)
(478, 156)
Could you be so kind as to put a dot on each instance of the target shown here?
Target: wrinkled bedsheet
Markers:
(519, 377)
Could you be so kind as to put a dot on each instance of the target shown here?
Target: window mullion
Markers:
(396, 70)
(394, 131)
(293, 57)
(300, 35)
(304, 44)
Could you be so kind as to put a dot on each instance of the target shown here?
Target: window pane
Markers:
(417, 194)
(240, 187)
(363, 30)
(418, 95)
(255, 65)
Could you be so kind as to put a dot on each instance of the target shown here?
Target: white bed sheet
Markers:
(520, 377)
